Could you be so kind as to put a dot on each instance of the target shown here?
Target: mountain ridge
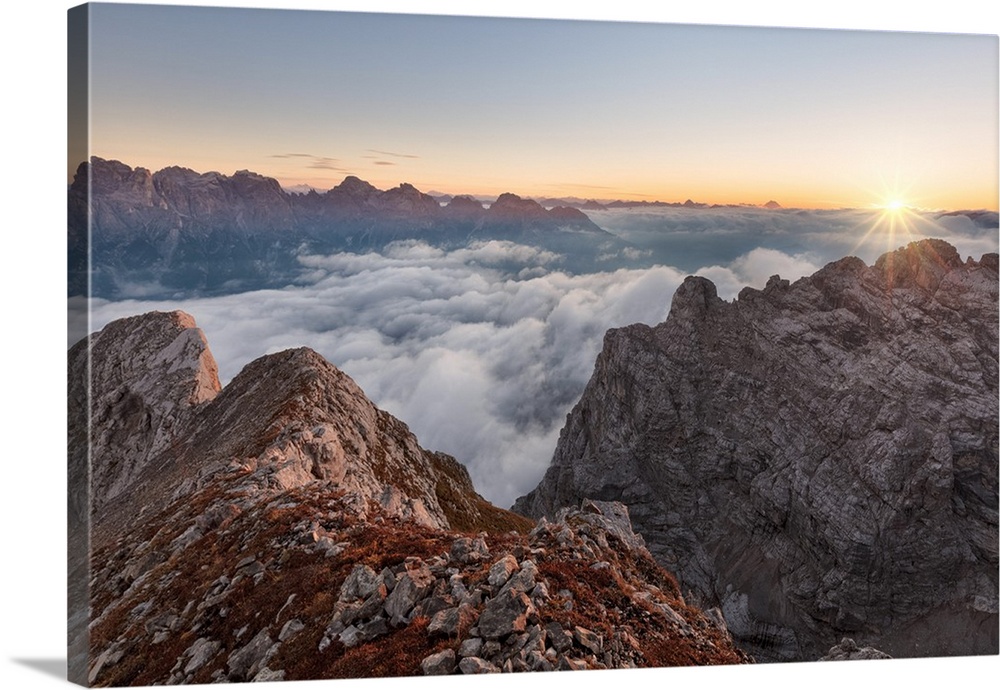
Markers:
(159, 409)
(283, 527)
(177, 231)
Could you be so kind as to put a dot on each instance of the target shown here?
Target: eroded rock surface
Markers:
(147, 377)
(161, 427)
(817, 459)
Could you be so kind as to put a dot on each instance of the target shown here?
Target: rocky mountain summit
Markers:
(178, 231)
(817, 458)
(283, 527)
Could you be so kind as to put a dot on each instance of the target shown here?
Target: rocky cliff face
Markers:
(819, 459)
(147, 376)
(285, 527)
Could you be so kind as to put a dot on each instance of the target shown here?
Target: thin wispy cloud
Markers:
(315, 162)
(393, 154)
(326, 165)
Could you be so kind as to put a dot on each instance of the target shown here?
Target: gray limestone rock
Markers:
(612, 517)
(413, 586)
(505, 613)
(110, 657)
(451, 620)
(199, 653)
(360, 583)
(558, 638)
(524, 579)
(440, 664)
(266, 675)
(502, 570)
(567, 664)
(433, 605)
(469, 550)
(351, 636)
(148, 376)
(473, 665)
(589, 640)
(470, 647)
(244, 663)
(290, 628)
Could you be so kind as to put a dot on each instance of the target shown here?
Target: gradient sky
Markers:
(811, 118)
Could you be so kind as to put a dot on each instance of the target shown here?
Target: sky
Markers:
(593, 109)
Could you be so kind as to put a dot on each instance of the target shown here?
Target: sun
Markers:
(894, 216)
(893, 221)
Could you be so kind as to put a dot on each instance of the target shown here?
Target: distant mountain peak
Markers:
(354, 186)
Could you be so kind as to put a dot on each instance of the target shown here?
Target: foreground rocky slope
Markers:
(285, 528)
(819, 459)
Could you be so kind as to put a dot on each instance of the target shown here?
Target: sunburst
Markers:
(895, 218)
(895, 221)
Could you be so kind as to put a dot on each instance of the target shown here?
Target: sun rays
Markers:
(895, 223)
(896, 218)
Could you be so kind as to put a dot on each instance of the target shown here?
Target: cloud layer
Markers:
(692, 239)
(483, 350)
(480, 361)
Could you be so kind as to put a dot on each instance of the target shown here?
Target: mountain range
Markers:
(134, 233)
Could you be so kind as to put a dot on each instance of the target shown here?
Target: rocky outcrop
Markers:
(292, 418)
(161, 427)
(139, 381)
(818, 459)
(848, 650)
(284, 527)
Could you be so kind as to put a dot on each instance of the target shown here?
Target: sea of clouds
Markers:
(483, 350)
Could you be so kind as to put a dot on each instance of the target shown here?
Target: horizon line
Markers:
(695, 204)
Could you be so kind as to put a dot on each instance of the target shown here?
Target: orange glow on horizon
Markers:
(794, 198)
(755, 193)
